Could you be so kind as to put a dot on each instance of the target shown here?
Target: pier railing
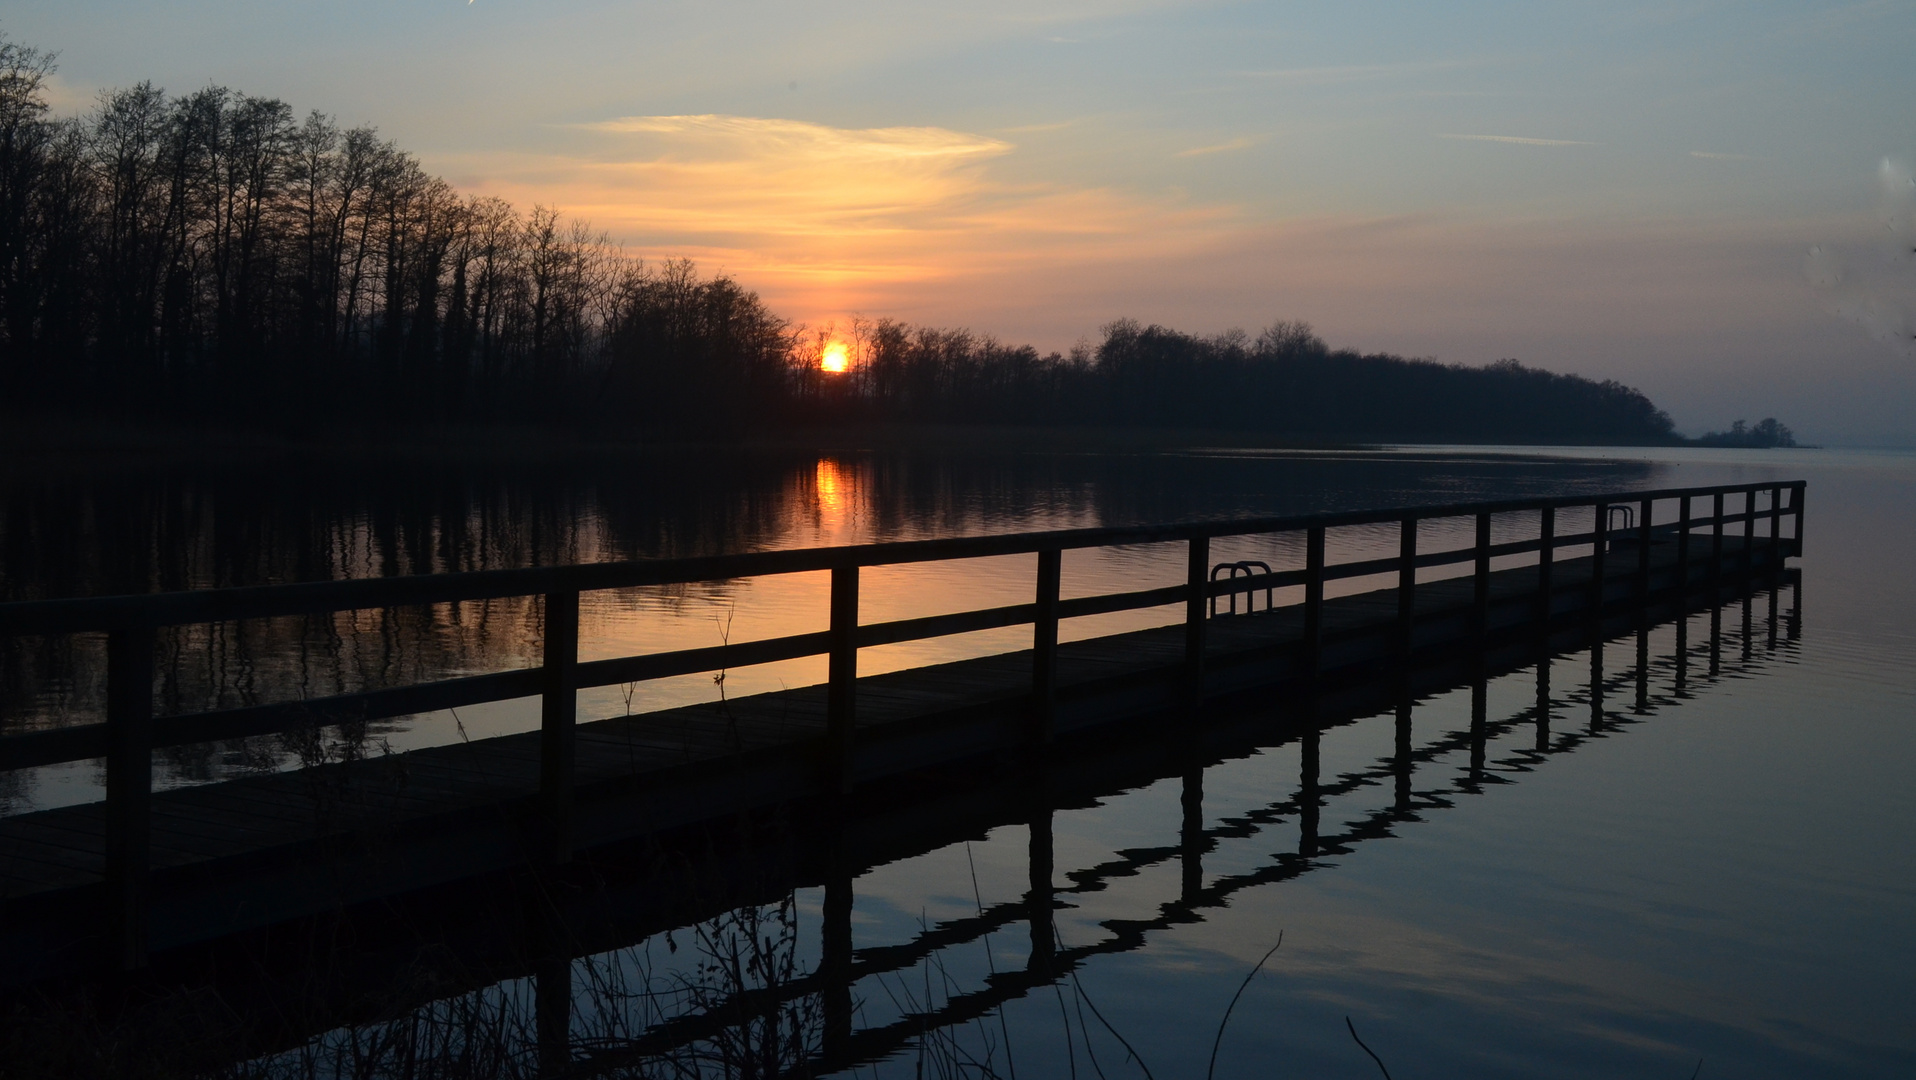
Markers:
(1736, 515)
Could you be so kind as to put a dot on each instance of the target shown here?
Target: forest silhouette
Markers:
(212, 259)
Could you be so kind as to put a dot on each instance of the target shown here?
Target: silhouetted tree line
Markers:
(213, 254)
(1285, 380)
(1767, 434)
(213, 257)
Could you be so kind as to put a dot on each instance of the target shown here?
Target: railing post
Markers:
(1775, 588)
(1597, 553)
(552, 1006)
(1479, 717)
(835, 954)
(1796, 508)
(558, 721)
(1682, 679)
(1044, 645)
(1406, 582)
(1197, 581)
(1776, 522)
(1683, 552)
(841, 704)
(1749, 529)
(1643, 669)
(1191, 835)
(1482, 583)
(1039, 897)
(1596, 683)
(1543, 701)
(129, 789)
(1400, 760)
(1314, 601)
(1546, 556)
(1307, 794)
(1646, 507)
(1716, 637)
(1716, 540)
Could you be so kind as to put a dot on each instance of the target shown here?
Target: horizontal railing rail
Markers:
(82, 614)
(88, 741)
(130, 732)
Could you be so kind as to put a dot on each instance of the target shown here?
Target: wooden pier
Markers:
(142, 871)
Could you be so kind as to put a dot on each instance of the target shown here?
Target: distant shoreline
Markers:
(71, 443)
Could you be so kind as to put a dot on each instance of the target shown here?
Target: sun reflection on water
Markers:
(835, 490)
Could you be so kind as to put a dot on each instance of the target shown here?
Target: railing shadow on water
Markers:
(690, 954)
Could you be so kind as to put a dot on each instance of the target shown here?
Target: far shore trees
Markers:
(215, 259)
(1767, 434)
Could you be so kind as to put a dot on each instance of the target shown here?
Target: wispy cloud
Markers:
(1710, 155)
(1244, 142)
(823, 219)
(759, 136)
(1520, 140)
(1031, 129)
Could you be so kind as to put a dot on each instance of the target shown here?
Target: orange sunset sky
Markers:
(1705, 200)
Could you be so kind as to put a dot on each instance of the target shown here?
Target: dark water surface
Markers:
(1725, 873)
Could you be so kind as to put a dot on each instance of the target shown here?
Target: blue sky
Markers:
(1628, 191)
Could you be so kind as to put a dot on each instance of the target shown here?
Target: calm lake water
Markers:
(1726, 876)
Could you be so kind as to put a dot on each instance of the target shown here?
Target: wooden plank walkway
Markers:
(254, 850)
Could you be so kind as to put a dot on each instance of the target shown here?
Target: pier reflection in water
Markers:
(957, 929)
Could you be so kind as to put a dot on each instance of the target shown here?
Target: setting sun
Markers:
(836, 358)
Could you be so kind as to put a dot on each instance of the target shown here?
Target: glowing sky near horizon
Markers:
(1626, 190)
